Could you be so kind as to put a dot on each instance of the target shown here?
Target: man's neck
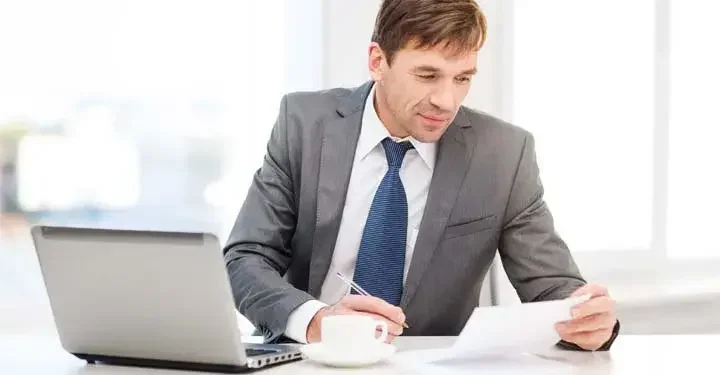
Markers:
(385, 114)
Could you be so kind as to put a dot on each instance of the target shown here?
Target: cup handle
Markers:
(383, 330)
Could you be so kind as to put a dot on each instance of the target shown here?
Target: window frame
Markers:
(614, 265)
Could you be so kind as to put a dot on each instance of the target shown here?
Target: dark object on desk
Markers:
(570, 346)
(257, 358)
(148, 299)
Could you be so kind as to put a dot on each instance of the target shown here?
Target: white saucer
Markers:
(334, 357)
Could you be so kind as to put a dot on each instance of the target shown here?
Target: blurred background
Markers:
(154, 115)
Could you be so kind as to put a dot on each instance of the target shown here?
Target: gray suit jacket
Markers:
(485, 196)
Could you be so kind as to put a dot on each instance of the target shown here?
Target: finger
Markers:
(393, 328)
(598, 305)
(589, 340)
(374, 305)
(341, 309)
(593, 290)
(586, 324)
(390, 336)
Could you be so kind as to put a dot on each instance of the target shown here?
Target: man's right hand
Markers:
(364, 305)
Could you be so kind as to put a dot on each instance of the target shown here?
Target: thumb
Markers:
(374, 305)
(593, 290)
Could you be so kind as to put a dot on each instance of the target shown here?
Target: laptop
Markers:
(146, 298)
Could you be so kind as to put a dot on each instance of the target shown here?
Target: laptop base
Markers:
(95, 359)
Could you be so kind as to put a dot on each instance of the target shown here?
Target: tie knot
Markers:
(395, 151)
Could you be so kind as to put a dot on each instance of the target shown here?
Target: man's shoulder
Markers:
(486, 125)
(318, 102)
(334, 93)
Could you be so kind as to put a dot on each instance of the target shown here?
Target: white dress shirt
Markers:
(369, 168)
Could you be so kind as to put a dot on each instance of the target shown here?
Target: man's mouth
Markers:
(435, 120)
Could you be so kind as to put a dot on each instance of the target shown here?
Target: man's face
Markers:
(421, 91)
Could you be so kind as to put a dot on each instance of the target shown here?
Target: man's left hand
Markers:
(593, 320)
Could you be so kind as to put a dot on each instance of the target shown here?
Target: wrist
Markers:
(313, 330)
(299, 320)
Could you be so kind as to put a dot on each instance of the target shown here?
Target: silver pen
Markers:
(358, 289)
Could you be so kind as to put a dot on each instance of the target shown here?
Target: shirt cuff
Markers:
(300, 318)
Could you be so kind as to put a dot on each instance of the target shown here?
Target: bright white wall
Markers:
(304, 45)
(348, 27)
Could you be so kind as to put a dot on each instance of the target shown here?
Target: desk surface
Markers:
(24, 354)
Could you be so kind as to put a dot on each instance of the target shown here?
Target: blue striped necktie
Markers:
(381, 257)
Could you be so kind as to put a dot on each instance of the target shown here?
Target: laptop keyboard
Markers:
(256, 352)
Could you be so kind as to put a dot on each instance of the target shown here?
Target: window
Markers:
(694, 131)
(619, 96)
(131, 114)
(583, 84)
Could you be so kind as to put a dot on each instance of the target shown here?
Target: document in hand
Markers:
(521, 328)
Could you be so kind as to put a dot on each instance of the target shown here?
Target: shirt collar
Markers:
(373, 132)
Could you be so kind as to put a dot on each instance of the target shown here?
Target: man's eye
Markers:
(463, 79)
(426, 77)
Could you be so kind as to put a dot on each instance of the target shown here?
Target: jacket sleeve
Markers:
(258, 251)
(537, 261)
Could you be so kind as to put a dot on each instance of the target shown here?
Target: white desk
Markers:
(30, 355)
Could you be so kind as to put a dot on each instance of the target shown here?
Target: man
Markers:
(396, 185)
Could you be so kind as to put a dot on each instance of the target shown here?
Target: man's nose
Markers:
(442, 97)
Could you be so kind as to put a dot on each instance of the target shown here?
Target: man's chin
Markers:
(428, 137)
(429, 134)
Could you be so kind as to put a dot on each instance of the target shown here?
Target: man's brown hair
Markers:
(458, 24)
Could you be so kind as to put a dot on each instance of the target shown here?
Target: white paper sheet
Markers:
(521, 327)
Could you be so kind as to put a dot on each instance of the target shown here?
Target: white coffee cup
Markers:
(340, 331)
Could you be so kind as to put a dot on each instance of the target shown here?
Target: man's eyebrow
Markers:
(426, 68)
(432, 69)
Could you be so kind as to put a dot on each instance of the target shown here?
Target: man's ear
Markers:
(377, 62)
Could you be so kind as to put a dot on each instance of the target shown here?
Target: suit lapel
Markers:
(339, 140)
(453, 158)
